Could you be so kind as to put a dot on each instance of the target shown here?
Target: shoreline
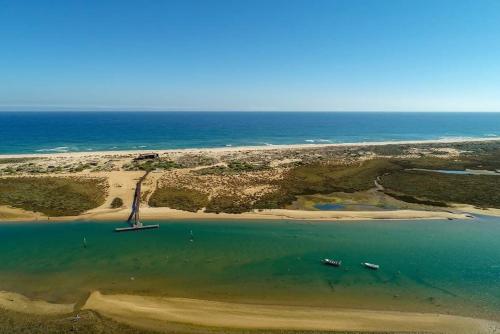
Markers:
(149, 213)
(250, 148)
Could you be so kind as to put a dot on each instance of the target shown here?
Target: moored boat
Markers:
(370, 265)
(330, 262)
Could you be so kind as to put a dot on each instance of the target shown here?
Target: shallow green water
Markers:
(433, 266)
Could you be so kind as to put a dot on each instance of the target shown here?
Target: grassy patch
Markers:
(479, 190)
(178, 198)
(53, 196)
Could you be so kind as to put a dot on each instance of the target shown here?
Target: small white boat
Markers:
(331, 262)
(370, 265)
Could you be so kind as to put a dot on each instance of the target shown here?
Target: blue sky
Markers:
(250, 55)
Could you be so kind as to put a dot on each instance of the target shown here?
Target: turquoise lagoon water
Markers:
(46, 132)
(432, 266)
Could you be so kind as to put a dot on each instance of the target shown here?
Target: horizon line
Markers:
(261, 110)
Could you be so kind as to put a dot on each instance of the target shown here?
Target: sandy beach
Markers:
(229, 149)
(155, 313)
(149, 213)
(160, 313)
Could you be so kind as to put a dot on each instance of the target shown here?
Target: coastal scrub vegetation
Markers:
(228, 204)
(15, 160)
(395, 174)
(150, 165)
(178, 198)
(53, 196)
(233, 167)
(88, 322)
(195, 160)
(116, 203)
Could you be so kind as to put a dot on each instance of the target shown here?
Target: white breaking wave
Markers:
(318, 140)
(55, 149)
(456, 138)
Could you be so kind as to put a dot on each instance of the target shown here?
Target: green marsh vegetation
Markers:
(53, 196)
(324, 178)
(419, 187)
(478, 190)
(399, 181)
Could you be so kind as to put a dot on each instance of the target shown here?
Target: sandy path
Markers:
(121, 184)
(149, 186)
(156, 312)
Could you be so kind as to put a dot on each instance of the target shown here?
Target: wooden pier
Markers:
(134, 219)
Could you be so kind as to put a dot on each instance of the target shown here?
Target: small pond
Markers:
(460, 172)
(351, 207)
(329, 206)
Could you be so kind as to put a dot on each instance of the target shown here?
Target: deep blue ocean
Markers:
(49, 132)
